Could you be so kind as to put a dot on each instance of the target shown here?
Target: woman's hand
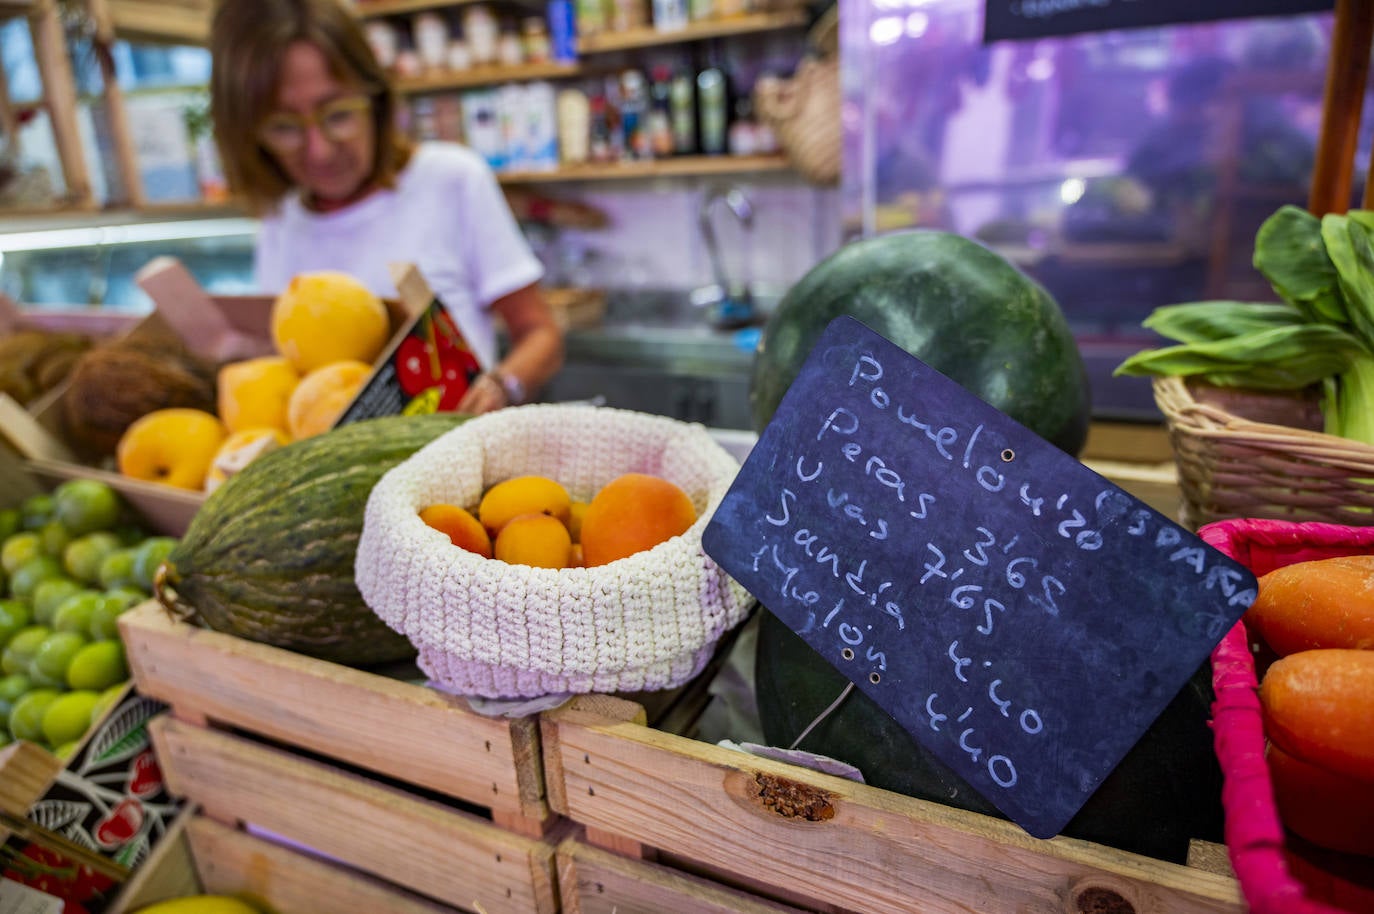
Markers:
(484, 395)
(536, 353)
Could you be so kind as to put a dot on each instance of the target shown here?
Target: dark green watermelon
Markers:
(968, 313)
(954, 304)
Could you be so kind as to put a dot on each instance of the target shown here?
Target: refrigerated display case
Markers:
(1123, 169)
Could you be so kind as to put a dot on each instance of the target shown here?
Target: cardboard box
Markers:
(224, 328)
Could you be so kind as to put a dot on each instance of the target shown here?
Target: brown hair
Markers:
(248, 40)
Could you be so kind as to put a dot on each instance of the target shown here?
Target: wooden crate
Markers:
(596, 881)
(391, 727)
(200, 855)
(830, 844)
(415, 843)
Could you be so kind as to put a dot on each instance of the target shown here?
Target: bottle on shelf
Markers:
(742, 137)
(562, 31)
(683, 113)
(659, 124)
(574, 126)
(592, 18)
(634, 114)
(713, 101)
(670, 15)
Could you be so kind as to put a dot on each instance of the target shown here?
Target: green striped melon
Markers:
(269, 556)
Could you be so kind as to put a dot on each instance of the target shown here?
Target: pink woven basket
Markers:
(1254, 834)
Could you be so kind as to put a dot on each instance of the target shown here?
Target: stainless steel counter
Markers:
(657, 353)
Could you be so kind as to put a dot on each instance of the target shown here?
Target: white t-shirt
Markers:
(446, 215)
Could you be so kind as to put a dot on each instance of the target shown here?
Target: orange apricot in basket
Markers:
(462, 529)
(511, 498)
(632, 513)
(1316, 604)
(1330, 809)
(539, 540)
(1318, 706)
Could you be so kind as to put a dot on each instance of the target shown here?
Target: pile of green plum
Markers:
(71, 561)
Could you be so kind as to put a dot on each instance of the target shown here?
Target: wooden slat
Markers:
(648, 37)
(59, 96)
(232, 862)
(116, 113)
(448, 855)
(594, 881)
(685, 167)
(405, 731)
(876, 853)
(26, 770)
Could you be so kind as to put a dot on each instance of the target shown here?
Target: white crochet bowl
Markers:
(483, 627)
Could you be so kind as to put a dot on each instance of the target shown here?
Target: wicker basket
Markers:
(1273, 880)
(1258, 455)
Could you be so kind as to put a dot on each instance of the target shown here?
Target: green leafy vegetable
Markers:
(1322, 332)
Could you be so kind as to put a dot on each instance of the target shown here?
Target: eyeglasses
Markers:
(341, 120)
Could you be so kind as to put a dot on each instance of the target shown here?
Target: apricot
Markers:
(254, 393)
(632, 513)
(322, 396)
(170, 446)
(576, 511)
(458, 524)
(328, 317)
(522, 495)
(539, 540)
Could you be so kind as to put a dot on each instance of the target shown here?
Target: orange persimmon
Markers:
(1318, 706)
(1317, 604)
(1330, 809)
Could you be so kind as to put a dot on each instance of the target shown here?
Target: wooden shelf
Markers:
(686, 166)
(695, 31)
(11, 8)
(485, 76)
(161, 22)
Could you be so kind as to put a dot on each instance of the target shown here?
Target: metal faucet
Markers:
(733, 302)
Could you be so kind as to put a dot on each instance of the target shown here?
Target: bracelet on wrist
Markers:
(510, 385)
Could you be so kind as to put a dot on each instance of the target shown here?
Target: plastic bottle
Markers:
(713, 110)
(634, 110)
(670, 15)
(683, 114)
(659, 124)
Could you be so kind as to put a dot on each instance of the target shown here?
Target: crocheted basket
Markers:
(1255, 837)
(484, 627)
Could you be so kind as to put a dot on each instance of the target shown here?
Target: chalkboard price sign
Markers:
(1022, 617)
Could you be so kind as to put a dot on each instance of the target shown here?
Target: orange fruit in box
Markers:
(322, 396)
(458, 524)
(632, 513)
(326, 317)
(519, 495)
(254, 393)
(170, 446)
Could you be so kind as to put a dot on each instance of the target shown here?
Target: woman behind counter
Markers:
(305, 121)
